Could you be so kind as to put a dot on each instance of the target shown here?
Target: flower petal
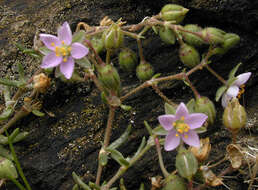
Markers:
(50, 41)
(166, 121)
(79, 50)
(64, 33)
(242, 79)
(191, 139)
(171, 141)
(232, 91)
(181, 111)
(225, 99)
(67, 68)
(195, 120)
(50, 60)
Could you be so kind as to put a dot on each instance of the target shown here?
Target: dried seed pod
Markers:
(202, 152)
(210, 178)
(234, 155)
(144, 71)
(41, 82)
(173, 12)
(189, 55)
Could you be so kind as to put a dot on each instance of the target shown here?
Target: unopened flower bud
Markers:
(234, 116)
(109, 78)
(7, 169)
(127, 59)
(113, 37)
(189, 55)
(174, 182)
(144, 71)
(41, 82)
(186, 164)
(192, 39)
(213, 35)
(202, 152)
(167, 35)
(206, 106)
(173, 12)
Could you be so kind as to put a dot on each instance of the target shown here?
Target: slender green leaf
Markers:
(14, 134)
(121, 139)
(94, 186)
(169, 109)
(117, 156)
(78, 181)
(6, 114)
(76, 187)
(21, 136)
(142, 145)
(122, 185)
(233, 71)
(159, 131)
(190, 105)
(125, 107)
(148, 127)
(220, 92)
(103, 159)
(38, 113)
(44, 50)
(21, 72)
(141, 186)
(14, 83)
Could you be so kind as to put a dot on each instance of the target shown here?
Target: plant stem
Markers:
(18, 165)
(111, 116)
(157, 90)
(18, 184)
(196, 93)
(216, 74)
(19, 115)
(161, 164)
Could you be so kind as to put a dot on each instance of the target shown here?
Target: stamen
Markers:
(53, 44)
(177, 135)
(65, 59)
(180, 130)
(174, 124)
(63, 42)
(186, 136)
(69, 49)
(182, 118)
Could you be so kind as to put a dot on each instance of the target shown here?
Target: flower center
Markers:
(241, 91)
(181, 127)
(62, 50)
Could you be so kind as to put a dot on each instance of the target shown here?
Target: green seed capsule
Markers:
(144, 71)
(186, 164)
(189, 55)
(113, 37)
(175, 183)
(167, 35)
(172, 12)
(213, 35)
(206, 106)
(7, 169)
(192, 39)
(231, 40)
(127, 59)
(234, 116)
(97, 44)
(109, 78)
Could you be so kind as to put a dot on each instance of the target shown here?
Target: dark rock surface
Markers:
(70, 141)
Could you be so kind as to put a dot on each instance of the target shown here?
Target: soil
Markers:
(70, 141)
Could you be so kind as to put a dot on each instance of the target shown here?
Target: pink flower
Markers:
(233, 90)
(63, 51)
(181, 126)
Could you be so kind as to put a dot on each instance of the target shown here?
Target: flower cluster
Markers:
(63, 51)
(181, 126)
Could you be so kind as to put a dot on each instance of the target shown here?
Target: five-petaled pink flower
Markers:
(63, 51)
(233, 91)
(181, 126)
